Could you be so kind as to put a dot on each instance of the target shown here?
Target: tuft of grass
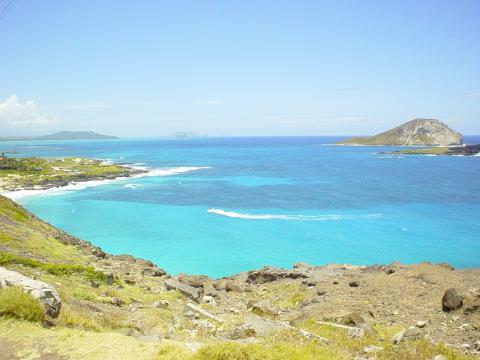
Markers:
(55, 269)
(14, 302)
(173, 352)
(279, 351)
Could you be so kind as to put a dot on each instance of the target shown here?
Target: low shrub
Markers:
(14, 302)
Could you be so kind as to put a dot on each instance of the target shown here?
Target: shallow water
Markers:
(223, 205)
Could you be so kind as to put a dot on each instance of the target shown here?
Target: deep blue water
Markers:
(272, 201)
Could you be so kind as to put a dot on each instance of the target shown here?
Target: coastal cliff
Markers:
(422, 132)
(122, 307)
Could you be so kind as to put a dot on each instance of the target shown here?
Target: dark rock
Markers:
(95, 284)
(446, 266)
(196, 281)
(269, 274)
(232, 286)
(357, 320)
(109, 279)
(388, 270)
(99, 253)
(219, 285)
(117, 301)
(451, 300)
(354, 283)
(189, 291)
(262, 307)
(130, 281)
(240, 332)
(413, 333)
(309, 282)
(321, 292)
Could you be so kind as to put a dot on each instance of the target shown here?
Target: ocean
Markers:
(218, 206)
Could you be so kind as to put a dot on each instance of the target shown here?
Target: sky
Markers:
(270, 67)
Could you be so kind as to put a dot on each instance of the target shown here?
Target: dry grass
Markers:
(14, 302)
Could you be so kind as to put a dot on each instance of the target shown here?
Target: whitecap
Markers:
(132, 186)
(295, 217)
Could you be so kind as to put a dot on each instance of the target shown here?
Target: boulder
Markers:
(232, 286)
(397, 338)
(240, 332)
(357, 320)
(451, 300)
(198, 310)
(262, 307)
(197, 281)
(269, 274)
(189, 291)
(44, 292)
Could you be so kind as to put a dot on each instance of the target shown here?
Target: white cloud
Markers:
(14, 114)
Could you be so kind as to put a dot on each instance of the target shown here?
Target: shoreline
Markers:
(136, 172)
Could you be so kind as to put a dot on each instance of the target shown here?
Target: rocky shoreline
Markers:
(430, 301)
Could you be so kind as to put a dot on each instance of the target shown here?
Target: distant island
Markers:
(62, 135)
(186, 134)
(420, 132)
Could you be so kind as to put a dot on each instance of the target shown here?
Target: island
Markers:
(419, 132)
(62, 135)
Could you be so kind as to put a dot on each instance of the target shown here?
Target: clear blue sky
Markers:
(143, 68)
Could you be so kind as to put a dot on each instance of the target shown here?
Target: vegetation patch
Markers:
(55, 269)
(14, 302)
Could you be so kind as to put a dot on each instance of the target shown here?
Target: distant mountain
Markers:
(62, 135)
(427, 132)
(186, 134)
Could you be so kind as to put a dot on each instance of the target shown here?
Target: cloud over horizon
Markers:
(15, 115)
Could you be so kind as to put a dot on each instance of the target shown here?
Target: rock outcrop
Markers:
(423, 132)
(44, 292)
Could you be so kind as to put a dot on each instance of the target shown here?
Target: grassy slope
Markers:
(29, 172)
(90, 327)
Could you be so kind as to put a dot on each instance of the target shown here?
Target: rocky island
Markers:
(64, 298)
(420, 132)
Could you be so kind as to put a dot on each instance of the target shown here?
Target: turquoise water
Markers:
(275, 201)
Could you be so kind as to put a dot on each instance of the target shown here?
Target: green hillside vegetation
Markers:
(18, 173)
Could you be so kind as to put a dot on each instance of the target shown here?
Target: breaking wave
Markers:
(232, 214)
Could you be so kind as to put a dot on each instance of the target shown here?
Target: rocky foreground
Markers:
(100, 306)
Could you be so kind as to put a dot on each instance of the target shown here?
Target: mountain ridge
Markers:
(61, 135)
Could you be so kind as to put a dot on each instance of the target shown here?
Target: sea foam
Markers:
(294, 217)
(74, 186)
